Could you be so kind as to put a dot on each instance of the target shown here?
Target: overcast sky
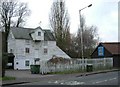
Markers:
(103, 14)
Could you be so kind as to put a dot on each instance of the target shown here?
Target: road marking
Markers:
(112, 79)
(56, 82)
(67, 82)
(99, 81)
(61, 83)
(103, 81)
(74, 83)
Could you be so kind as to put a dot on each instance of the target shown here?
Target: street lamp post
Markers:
(82, 30)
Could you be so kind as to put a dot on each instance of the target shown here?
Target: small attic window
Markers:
(39, 33)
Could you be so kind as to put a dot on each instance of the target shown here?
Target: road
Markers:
(109, 78)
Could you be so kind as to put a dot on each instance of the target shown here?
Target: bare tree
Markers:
(90, 38)
(59, 22)
(23, 11)
(7, 12)
(9, 8)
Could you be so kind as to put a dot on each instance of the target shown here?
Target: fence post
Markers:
(111, 62)
(105, 63)
(96, 65)
(85, 63)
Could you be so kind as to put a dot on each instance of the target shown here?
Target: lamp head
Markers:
(90, 5)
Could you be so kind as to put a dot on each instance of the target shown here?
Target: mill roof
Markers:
(24, 33)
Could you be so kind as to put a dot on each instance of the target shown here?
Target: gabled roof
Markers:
(112, 47)
(24, 33)
(35, 29)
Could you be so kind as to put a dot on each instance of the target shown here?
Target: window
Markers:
(17, 63)
(39, 33)
(36, 60)
(11, 50)
(27, 50)
(45, 50)
(27, 63)
(100, 51)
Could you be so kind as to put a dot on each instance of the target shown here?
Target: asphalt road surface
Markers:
(109, 78)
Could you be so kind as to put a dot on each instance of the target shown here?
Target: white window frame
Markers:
(27, 64)
(39, 33)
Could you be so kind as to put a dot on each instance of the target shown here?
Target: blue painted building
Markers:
(106, 50)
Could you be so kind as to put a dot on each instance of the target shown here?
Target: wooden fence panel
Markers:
(78, 64)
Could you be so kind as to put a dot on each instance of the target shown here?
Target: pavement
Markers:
(25, 76)
(22, 76)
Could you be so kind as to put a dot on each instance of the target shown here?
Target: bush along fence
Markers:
(75, 65)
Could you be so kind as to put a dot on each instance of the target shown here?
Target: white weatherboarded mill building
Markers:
(30, 46)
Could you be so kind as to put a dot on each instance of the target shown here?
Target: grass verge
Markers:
(76, 71)
(67, 72)
(7, 78)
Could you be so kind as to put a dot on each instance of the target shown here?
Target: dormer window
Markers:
(39, 33)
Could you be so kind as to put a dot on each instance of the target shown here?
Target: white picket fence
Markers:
(76, 64)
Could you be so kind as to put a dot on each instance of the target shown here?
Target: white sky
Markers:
(102, 13)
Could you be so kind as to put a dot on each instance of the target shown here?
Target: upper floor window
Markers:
(39, 33)
(45, 50)
(27, 50)
(100, 51)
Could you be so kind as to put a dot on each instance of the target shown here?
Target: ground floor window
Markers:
(27, 63)
(11, 50)
(17, 63)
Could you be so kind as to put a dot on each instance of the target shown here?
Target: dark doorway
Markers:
(10, 64)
